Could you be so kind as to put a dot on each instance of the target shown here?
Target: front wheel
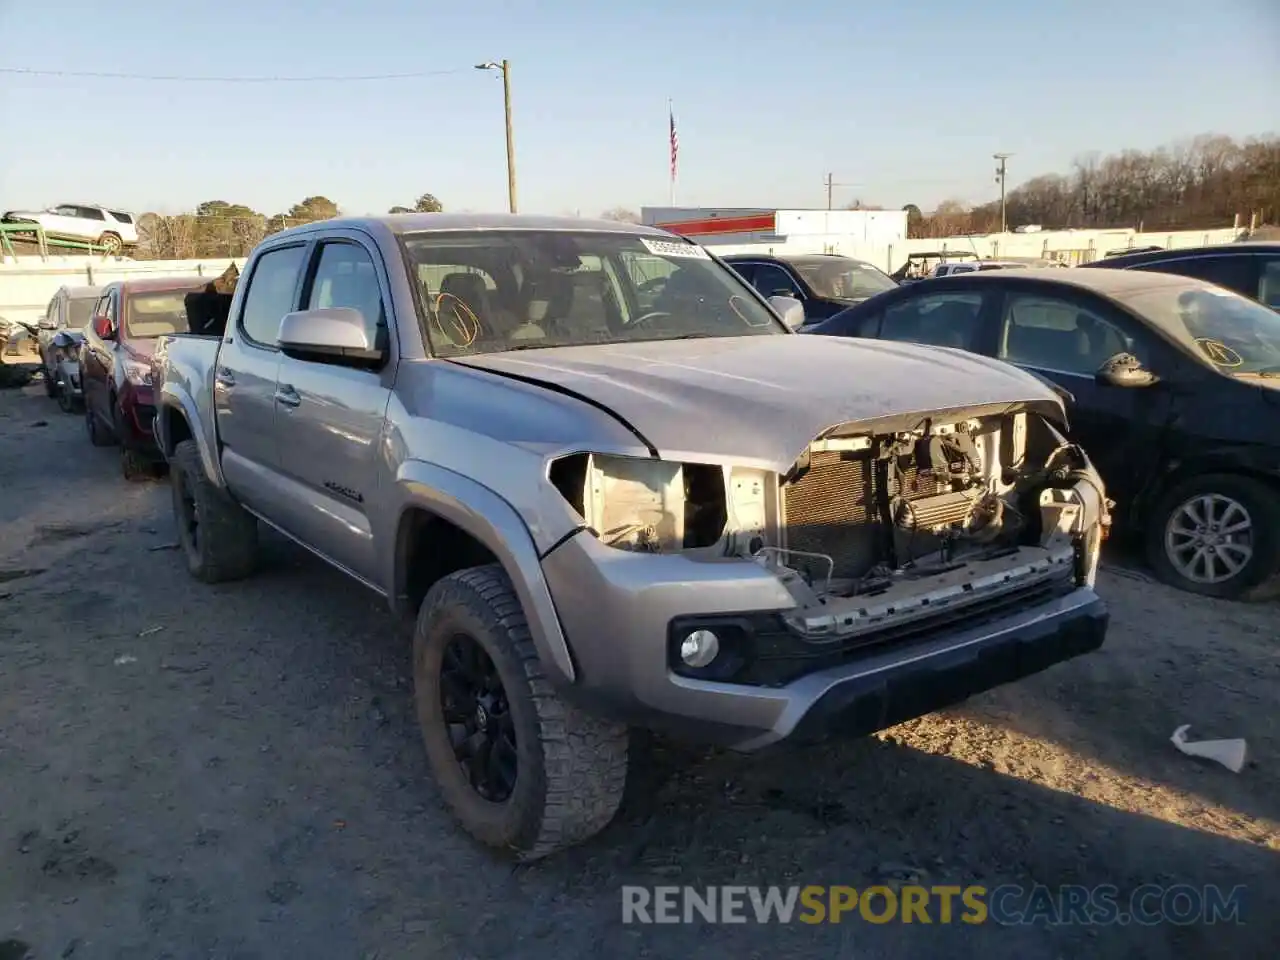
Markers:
(1217, 535)
(520, 769)
(99, 435)
(50, 385)
(67, 400)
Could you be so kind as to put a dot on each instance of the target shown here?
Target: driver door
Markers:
(1065, 339)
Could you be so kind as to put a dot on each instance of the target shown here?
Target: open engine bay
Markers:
(871, 531)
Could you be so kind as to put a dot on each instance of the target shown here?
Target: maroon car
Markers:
(116, 364)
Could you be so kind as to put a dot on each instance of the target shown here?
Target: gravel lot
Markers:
(235, 771)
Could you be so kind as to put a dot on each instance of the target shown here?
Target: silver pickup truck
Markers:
(617, 490)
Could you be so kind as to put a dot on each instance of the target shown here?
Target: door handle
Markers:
(226, 377)
(287, 395)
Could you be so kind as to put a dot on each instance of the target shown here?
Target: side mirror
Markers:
(789, 309)
(1125, 370)
(327, 335)
(103, 328)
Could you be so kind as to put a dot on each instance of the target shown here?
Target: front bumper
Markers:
(137, 414)
(616, 609)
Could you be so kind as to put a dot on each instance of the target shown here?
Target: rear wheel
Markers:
(1217, 535)
(111, 244)
(136, 465)
(219, 538)
(521, 769)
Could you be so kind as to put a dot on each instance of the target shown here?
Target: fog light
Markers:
(699, 648)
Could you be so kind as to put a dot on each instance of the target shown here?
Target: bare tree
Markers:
(621, 214)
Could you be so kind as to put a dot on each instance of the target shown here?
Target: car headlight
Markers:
(137, 373)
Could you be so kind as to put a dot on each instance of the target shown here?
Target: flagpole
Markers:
(671, 115)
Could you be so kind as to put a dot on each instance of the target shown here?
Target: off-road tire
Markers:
(99, 435)
(111, 244)
(225, 546)
(571, 766)
(1260, 578)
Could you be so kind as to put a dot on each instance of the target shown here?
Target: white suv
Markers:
(113, 230)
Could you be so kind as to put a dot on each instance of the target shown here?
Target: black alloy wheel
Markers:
(478, 718)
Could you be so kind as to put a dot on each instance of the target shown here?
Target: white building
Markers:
(755, 229)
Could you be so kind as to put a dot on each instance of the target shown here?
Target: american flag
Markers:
(675, 145)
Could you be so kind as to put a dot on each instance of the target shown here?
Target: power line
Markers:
(175, 78)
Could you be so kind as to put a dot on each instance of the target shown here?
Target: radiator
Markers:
(831, 510)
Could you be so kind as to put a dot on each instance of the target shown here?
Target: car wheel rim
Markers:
(477, 716)
(1209, 538)
(111, 245)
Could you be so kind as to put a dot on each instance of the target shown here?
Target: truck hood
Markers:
(762, 400)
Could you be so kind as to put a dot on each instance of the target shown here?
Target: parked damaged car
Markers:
(606, 512)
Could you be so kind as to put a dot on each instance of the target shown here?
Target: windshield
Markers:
(156, 314)
(485, 292)
(80, 312)
(845, 279)
(1230, 332)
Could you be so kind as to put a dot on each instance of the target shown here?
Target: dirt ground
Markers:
(235, 772)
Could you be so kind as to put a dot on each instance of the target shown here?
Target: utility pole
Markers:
(505, 68)
(1000, 172)
(831, 185)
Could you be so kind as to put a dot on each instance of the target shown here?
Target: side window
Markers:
(1055, 334)
(89, 213)
(772, 281)
(271, 294)
(1269, 283)
(121, 217)
(745, 270)
(1235, 272)
(346, 277)
(65, 211)
(940, 319)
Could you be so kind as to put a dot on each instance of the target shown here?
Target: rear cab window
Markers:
(271, 293)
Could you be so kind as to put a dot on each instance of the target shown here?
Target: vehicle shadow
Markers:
(859, 813)
(277, 715)
(1170, 659)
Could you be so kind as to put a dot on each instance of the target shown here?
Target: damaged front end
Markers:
(880, 536)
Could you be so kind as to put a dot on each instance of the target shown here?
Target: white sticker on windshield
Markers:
(673, 248)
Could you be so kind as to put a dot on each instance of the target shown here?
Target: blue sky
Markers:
(907, 101)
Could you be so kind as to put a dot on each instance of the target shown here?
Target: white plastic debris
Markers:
(1230, 753)
(125, 658)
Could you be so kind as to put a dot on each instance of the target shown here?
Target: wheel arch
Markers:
(446, 522)
(176, 420)
(1232, 461)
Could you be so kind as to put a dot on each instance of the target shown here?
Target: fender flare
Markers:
(492, 521)
(1225, 458)
(173, 400)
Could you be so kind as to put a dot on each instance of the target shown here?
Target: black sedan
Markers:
(1175, 394)
(1250, 268)
(825, 283)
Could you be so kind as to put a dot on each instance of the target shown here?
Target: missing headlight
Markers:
(642, 504)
